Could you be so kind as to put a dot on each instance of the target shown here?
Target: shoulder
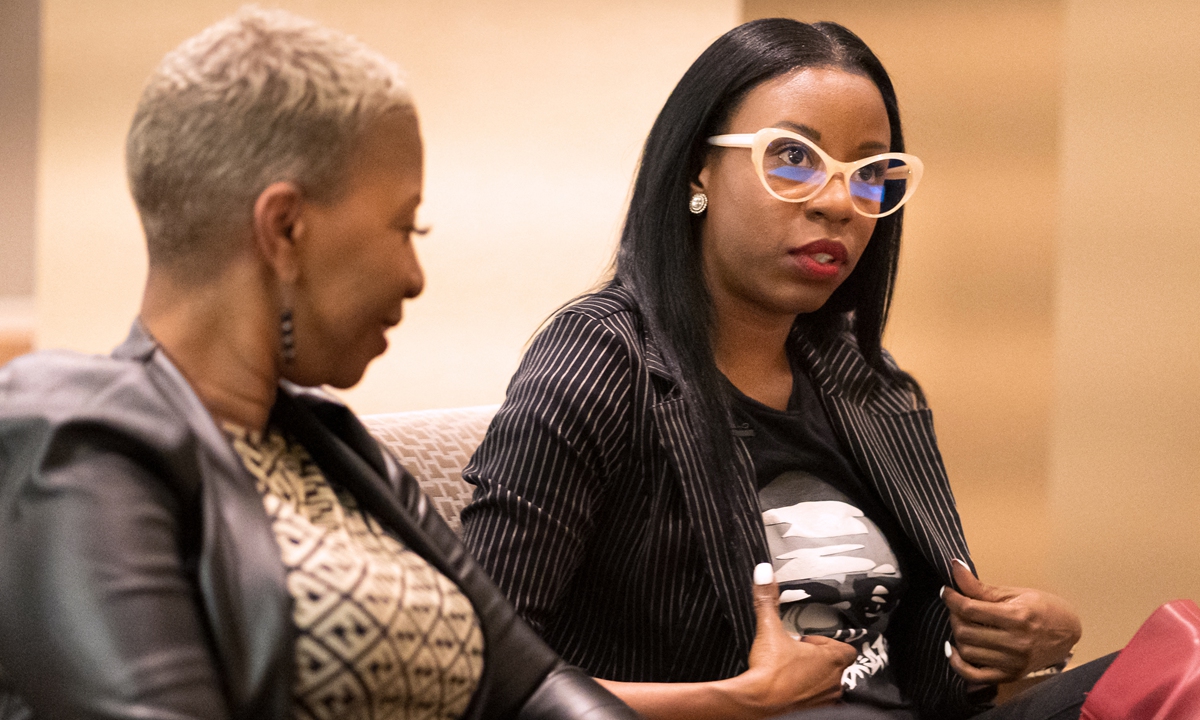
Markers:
(57, 385)
(603, 324)
(611, 300)
(591, 362)
(53, 404)
(612, 309)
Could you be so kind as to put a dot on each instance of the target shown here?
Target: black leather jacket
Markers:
(140, 577)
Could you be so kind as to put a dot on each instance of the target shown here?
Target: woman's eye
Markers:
(793, 155)
(410, 230)
(871, 174)
(796, 155)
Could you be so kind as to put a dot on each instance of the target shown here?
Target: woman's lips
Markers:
(820, 259)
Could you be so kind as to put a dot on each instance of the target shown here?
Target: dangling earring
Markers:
(287, 336)
(698, 202)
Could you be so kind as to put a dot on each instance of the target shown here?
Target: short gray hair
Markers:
(259, 97)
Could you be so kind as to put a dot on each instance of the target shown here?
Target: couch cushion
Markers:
(435, 445)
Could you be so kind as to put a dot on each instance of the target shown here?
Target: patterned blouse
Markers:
(381, 633)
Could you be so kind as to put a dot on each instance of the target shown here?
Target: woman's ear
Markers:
(700, 182)
(278, 224)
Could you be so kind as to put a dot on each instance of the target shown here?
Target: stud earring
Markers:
(698, 203)
(287, 336)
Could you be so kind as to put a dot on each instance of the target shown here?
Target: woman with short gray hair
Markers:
(187, 532)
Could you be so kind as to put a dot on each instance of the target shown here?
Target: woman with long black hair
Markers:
(725, 403)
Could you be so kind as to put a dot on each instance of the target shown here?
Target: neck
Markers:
(222, 335)
(750, 348)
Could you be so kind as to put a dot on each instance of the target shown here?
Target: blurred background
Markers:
(1049, 293)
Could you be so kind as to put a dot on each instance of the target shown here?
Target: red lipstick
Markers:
(820, 259)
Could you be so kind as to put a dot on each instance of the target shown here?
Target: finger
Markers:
(992, 647)
(964, 608)
(1009, 662)
(819, 640)
(766, 599)
(847, 655)
(967, 583)
(981, 614)
(953, 599)
(973, 674)
(991, 638)
(986, 613)
(844, 653)
(961, 600)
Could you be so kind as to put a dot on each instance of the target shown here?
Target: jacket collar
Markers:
(137, 345)
(838, 369)
(834, 363)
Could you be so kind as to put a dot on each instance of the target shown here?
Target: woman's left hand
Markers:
(1003, 633)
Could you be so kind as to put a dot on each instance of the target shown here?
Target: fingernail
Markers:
(942, 592)
(960, 562)
(764, 574)
(949, 650)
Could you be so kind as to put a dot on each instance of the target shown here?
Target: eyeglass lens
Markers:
(796, 172)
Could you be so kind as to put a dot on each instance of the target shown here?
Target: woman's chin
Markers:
(348, 375)
(342, 373)
(804, 303)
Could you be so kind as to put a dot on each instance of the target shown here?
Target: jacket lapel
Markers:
(723, 509)
(322, 428)
(515, 659)
(891, 439)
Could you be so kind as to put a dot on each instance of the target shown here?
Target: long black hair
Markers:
(659, 260)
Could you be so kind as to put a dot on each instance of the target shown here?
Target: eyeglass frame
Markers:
(757, 143)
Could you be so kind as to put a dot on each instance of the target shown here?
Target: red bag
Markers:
(1157, 675)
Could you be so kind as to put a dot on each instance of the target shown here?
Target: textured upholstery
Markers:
(435, 445)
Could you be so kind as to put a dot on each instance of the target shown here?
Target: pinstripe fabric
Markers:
(594, 512)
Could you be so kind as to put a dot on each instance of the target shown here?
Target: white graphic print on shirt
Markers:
(837, 575)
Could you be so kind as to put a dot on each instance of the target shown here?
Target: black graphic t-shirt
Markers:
(839, 556)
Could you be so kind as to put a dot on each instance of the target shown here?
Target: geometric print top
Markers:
(382, 634)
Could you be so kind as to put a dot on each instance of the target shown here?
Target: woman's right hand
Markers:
(787, 673)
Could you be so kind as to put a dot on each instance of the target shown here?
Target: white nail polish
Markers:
(949, 650)
(942, 592)
(960, 562)
(764, 573)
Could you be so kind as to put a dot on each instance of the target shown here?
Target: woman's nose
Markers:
(411, 275)
(833, 201)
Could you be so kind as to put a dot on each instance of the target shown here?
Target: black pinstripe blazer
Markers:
(595, 513)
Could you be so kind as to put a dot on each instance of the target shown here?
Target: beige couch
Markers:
(435, 445)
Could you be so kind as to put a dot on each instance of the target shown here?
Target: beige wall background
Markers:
(19, 89)
(533, 114)
(1125, 472)
(18, 145)
(1048, 291)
